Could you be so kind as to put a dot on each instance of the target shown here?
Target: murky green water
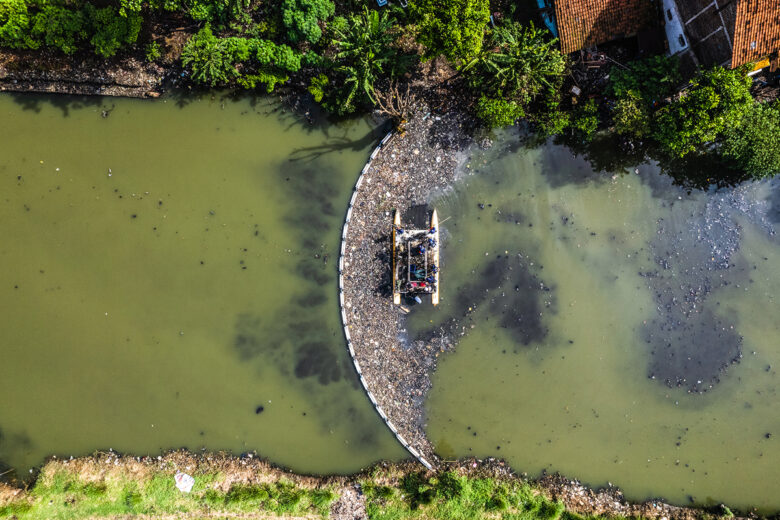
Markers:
(167, 270)
(602, 334)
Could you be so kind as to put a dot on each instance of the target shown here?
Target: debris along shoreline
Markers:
(111, 485)
(86, 74)
(405, 170)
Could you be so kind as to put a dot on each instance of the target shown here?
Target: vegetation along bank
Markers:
(494, 60)
(108, 485)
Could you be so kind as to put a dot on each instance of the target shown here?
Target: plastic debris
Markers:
(184, 482)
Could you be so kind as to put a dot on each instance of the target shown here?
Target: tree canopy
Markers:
(713, 103)
(754, 145)
(453, 28)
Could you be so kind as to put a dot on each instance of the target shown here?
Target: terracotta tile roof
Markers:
(584, 23)
(757, 31)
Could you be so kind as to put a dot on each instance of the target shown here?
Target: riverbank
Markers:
(109, 485)
(86, 75)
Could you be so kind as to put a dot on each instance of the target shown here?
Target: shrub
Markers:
(754, 145)
(317, 87)
(651, 79)
(153, 52)
(417, 489)
(215, 61)
(585, 120)
(449, 485)
(14, 25)
(207, 59)
(209, 10)
(240, 493)
(498, 112)
(302, 17)
(321, 499)
(453, 28)
(59, 27)
(110, 30)
(630, 116)
(714, 103)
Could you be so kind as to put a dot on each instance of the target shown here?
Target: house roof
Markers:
(757, 30)
(584, 23)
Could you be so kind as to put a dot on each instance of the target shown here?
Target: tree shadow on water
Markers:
(34, 102)
(609, 153)
(338, 144)
(18, 442)
(588, 161)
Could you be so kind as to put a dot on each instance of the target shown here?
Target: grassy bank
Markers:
(112, 486)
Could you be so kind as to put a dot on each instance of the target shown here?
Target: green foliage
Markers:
(754, 145)
(585, 120)
(216, 61)
(15, 25)
(630, 116)
(280, 498)
(520, 63)
(363, 52)
(65, 494)
(321, 499)
(519, 67)
(153, 51)
(449, 485)
(651, 79)
(269, 79)
(209, 10)
(550, 119)
(318, 86)
(207, 58)
(417, 489)
(714, 103)
(110, 30)
(15, 509)
(450, 496)
(498, 112)
(453, 28)
(302, 18)
(59, 27)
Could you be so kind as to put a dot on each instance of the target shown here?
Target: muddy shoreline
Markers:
(83, 74)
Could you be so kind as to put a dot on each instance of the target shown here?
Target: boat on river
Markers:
(416, 261)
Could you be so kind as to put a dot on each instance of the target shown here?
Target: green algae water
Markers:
(611, 327)
(168, 279)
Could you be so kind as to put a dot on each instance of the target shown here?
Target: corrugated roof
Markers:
(757, 31)
(584, 23)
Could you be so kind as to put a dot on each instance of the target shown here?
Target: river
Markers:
(168, 279)
(612, 327)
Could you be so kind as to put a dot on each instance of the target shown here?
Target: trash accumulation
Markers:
(184, 482)
(408, 171)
